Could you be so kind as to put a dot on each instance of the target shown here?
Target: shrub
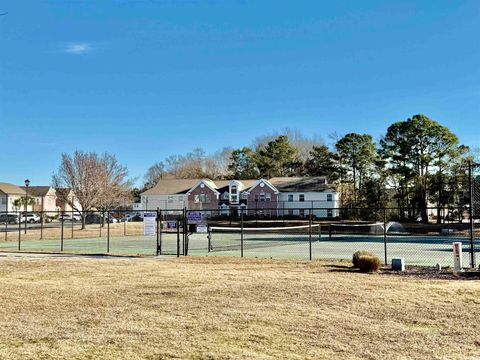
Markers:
(356, 256)
(368, 263)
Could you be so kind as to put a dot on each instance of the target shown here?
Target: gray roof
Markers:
(301, 184)
(37, 190)
(283, 184)
(10, 189)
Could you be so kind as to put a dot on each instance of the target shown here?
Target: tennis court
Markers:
(426, 250)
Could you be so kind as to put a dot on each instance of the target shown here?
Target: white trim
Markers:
(206, 184)
(266, 182)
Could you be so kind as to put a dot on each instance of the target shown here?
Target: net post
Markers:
(209, 238)
(241, 234)
(385, 234)
(310, 237)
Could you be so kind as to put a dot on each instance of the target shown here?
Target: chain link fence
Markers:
(387, 232)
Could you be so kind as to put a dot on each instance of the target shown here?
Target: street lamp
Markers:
(27, 184)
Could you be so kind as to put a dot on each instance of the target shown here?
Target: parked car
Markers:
(97, 218)
(70, 217)
(30, 218)
(9, 219)
(134, 218)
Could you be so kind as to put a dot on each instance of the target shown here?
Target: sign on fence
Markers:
(149, 223)
(202, 228)
(172, 224)
(194, 217)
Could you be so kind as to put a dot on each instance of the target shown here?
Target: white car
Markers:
(69, 217)
(30, 218)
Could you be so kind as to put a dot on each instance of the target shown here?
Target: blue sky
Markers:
(145, 79)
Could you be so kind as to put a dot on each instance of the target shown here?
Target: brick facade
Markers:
(202, 198)
(262, 200)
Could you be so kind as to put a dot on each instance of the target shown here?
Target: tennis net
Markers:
(235, 238)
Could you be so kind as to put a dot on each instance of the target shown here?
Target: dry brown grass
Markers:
(225, 308)
(90, 231)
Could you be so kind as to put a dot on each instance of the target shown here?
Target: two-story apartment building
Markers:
(277, 196)
(45, 198)
(9, 193)
(304, 195)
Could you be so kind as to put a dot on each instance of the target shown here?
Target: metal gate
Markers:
(171, 233)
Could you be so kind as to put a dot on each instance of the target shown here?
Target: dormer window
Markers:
(233, 189)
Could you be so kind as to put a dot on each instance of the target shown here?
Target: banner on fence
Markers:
(149, 223)
(194, 217)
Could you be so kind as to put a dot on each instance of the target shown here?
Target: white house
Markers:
(167, 194)
(300, 196)
(9, 193)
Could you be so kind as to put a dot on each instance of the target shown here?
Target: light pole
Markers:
(27, 184)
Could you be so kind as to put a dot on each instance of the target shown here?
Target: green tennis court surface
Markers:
(417, 250)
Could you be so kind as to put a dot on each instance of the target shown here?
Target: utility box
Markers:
(398, 264)
(457, 256)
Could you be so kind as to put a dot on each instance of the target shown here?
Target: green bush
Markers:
(356, 256)
(368, 263)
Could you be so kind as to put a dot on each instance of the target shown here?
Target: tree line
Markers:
(416, 164)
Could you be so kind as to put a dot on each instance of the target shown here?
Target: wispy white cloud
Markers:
(78, 48)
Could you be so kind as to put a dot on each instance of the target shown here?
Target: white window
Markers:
(204, 198)
(301, 197)
(196, 199)
(302, 212)
(268, 196)
(170, 199)
(290, 197)
(233, 189)
(329, 213)
(3, 200)
(262, 196)
(255, 197)
(329, 197)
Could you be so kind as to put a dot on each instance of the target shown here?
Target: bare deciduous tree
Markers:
(98, 182)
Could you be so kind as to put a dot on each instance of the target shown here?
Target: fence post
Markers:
(241, 234)
(471, 213)
(385, 234)
(42, 214)
(108, 232)
(19, 231)
(61, 233)
(178, 239)
(185, 230)
(310, 237)
(157, 251)
(72, 223)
